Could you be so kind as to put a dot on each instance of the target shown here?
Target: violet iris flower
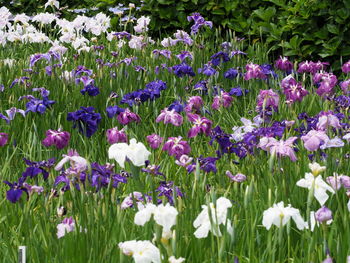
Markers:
(175, 146)
(183, 69)
(170, 116)
(115, 136)
(86, 119)
(201, 125)
(58, 138)
(127, 116)
(199, 22)
(16, 190)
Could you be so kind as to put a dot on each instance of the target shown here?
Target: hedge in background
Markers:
(304, 28)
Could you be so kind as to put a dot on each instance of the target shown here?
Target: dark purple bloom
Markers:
(91, 90)
(123, 34)
(194, 103)
(102, 176)
(113, 110)
(177, 106)
(58, 138)
(182, 70)
(43, 92)
(86, 119)
(169, 190)
(152, 170)
(231, 73)
(219, 57)
(208, 164)
(16, 190)
(237, 52)
(293, 90)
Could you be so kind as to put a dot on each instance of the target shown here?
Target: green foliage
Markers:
(303, 28)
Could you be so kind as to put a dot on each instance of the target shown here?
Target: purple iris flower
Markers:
(165, 53)
(177, 106)
(58, 138)
(200, 125)
(208, 164)
(284, 64)
(182, 70)
(39, 106)
(231, 73)
(154, 140)
(199, 22)
(91, 90)
(21, 80)
(346, 67)
(114, 135)
(220, 57)
(114, 110)
(127, 116)
(169, 190)
(207, 70)
(16, 190)
(123, 34)
(86, 119)
(183, 55)
(80, 70)
(102, 176)
(175, 146)
(3, 138)
(43, 92)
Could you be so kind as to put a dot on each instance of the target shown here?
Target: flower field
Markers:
(193, 147)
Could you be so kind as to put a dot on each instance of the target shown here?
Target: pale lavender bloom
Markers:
(346, 67)
(137, 196)
(170, 117)
(184, 160)
(12, 112)
(182, 36)
(314, 139)
(154, 140)
(280, 148)
(199, 22)
(236, 178)
(165, 53)
(332, 143)
(77, 163)
(328, 260)
(33, 188)
(334, 181)
(323, 214)
(114, 135)
(327, 119)
(67, 225)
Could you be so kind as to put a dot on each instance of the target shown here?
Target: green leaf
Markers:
(333, 29)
